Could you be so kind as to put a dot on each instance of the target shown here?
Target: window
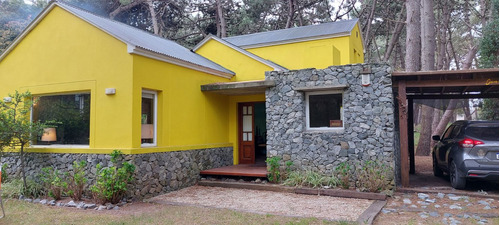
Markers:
(324, 110)
(148, 118)
(68, 117)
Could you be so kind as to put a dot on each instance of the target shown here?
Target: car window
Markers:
(456, 131)
(447, 133)
(483, 133)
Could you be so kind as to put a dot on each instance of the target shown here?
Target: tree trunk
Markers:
(435, 118)
(221, 25)
(291, 11)
(412, 56)
(445, 119)
(154, 21)
(21, 157)
(424, 142)
(428, 35)
(467, 113)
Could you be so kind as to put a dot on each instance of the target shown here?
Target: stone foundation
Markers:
(156, 173)
(368, 132)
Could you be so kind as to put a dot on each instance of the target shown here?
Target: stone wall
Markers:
(156, 173)
(368, 132)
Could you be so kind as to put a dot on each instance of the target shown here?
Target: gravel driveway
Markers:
(267, 202)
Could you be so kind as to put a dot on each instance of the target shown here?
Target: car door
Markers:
(451, 143)
(443, 145)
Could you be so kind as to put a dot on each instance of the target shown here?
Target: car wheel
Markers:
(456, 180)
(435, 168)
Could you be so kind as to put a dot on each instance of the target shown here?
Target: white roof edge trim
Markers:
(242, 51)
(26, 31)
(342, 34)
(153, 55)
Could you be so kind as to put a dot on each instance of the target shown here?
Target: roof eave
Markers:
(132, 49)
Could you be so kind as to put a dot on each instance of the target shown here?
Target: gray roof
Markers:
(143, 39)
(292, 34)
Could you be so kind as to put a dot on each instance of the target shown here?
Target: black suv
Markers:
(467, 150)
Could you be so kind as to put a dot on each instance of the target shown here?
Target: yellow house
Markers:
(112, 86)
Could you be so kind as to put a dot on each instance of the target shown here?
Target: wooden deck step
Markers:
(242, 170)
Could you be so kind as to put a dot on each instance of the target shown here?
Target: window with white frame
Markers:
(324, 110)
(67, 117)
(148, 118)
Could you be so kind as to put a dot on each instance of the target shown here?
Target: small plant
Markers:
(111, 183)
(288, 168)
(76, 180)
(374, 176)
(343, 173)
(310, 179)
(295, 178)
(54, 182)
(273, 167)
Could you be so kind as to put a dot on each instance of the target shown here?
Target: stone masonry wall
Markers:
(156, 173)
(368, 132)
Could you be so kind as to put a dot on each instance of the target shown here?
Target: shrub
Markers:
(295, 178)
(111, 183)
(76, 180)
(273, 164)
(374, 176)
(14, 189)
(343, 172)
(53, 182)
(5, 175)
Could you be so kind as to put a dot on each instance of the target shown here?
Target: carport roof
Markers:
(440, 84)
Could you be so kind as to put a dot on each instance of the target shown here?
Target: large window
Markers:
(148, 118)
(68, 117)
(324, 110)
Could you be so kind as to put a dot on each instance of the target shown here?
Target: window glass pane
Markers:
(247, 123)
(325, 110)
(249, 136)
(68, 117)
(250, 110)
(147, 118)
(244, 136)
(244, 110)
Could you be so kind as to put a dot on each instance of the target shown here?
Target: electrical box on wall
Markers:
(365, 80)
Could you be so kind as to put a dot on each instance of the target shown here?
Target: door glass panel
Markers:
(250, 110)
(249, 136)
(244, 110)
(247, 123)
(244, 136)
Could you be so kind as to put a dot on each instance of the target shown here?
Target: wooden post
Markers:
(403, 133)
(411, 140)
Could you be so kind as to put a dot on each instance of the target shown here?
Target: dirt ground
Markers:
(267, 202)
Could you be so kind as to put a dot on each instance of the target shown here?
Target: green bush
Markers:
(273, 169)
(343, 172)
(76, 180)
(374, 176)
(54, 182)
(111, 183)
(14, 189)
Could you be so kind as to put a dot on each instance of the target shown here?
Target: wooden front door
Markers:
(246, 133)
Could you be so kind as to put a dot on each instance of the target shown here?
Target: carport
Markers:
(450, 84)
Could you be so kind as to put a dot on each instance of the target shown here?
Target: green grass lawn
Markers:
(19, 212)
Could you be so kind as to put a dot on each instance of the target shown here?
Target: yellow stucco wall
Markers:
(317, 54)
(245, 67)
(187, 117)
(64, 54)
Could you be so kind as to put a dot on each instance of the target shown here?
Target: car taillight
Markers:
(469, 143)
